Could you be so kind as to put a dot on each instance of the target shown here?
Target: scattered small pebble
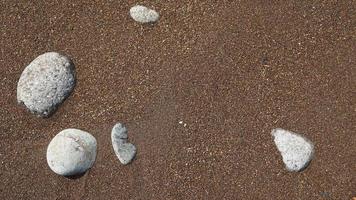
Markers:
(184, 124)
(143, 14)
(45, 83)
(71, 152)
(296, 150)
(124, 151)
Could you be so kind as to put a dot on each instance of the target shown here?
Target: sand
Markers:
(230, 70)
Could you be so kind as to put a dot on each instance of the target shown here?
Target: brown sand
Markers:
(232, 71)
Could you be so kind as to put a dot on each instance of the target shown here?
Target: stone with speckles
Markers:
(296, 150)
(45, 83)
(143, 14)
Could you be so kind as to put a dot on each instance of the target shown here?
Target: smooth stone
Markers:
(45, 83)
(126, 153)
(143, 14)
(123, 150)
(71, 152)
(296, 150)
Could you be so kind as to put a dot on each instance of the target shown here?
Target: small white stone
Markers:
(143, 14)
(71, 152)
(123, 150)
(296, 150)
(45, 83)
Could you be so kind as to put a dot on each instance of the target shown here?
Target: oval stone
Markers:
(71, 152)
(143, 14)
(45, 83)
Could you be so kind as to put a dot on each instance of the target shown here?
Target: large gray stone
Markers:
(71, 152)
(296, 150)
(143, 14)
(45, 83)
(124, 151)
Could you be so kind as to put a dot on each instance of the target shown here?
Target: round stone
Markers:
(45, 83)
(71, 152)
(296, 150)
(143, 14)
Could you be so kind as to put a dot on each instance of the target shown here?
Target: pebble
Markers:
(124, 150)
(143, 14)
(45, 83)
(71, 152)
(296, 150)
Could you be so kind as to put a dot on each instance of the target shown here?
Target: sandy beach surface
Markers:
(199, 91)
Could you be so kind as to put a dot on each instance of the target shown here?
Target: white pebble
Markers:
(71, 152)
(45, 83)
(143, 14)
(296, 150)
(123, 150)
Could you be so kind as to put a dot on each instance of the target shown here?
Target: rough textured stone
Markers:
(71, 152)
(45, 83)
(296, 150)
(124, 151)
(143, 14)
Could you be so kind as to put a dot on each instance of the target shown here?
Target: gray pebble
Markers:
(71, 152)
(143, 14)
(45, 83)
(123, 150)
(296, 150)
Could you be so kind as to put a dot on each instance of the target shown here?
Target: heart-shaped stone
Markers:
(124, 151)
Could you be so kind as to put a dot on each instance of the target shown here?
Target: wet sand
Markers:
(232, 71)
